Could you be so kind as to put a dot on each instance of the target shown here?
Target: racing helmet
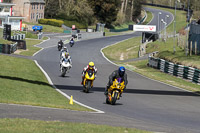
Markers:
(121, 71)
(91, 65)
(65, 48)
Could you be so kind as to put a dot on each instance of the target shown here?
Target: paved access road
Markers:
(146, 104)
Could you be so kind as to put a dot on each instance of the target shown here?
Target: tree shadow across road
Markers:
(132, 91)
(25, 80)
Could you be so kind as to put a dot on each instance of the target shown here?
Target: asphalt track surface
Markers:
(145, 104)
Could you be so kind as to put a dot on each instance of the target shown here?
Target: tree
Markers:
(137, 9)
(105, 10)
(51, 8)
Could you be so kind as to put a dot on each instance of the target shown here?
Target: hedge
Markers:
(78, 25)
(52, 22)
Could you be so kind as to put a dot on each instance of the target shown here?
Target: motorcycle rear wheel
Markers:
(107, 100)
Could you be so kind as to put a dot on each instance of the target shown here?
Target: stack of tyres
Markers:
(6, 49)
(166, 68)
(175, 72)
(185, 72)
(196, 76)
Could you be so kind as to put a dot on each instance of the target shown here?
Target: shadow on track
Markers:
(133, 91)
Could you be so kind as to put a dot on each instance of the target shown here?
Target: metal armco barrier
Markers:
(189, 73)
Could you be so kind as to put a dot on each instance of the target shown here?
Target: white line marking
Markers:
(138, 73)
(40, 47)
(64, 94)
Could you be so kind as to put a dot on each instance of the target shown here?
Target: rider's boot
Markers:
(106, 90)
(82, 81)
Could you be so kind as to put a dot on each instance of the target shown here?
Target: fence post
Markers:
(190, 48)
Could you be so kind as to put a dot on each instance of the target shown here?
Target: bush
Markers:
(52, 22)
(78, 25)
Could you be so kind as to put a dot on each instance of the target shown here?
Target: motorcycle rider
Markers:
(63, 51)
(72, 39)
(61, 43)
(90, 66)
(67, 58)
(120, 73)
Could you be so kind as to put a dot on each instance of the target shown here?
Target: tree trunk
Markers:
(122, 7)
(60, 4)
(125, 8)
(131, 14)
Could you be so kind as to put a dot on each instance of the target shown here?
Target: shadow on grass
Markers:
(25, 80)
(133, 91)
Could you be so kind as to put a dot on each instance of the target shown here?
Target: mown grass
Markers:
(22, 82)
(165, 52)
(30, 48)
(142, 68)
(149, 17)
(123, 50)
(48, 28)
(124, 25)
(180, 19)
(36, 126)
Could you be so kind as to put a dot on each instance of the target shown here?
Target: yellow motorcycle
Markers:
(115, 90)
(88, 81)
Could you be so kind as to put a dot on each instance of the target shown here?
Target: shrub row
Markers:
(52, 22)
(78, 25)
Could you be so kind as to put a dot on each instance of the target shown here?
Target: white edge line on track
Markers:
(138, 73)
(64, 94)
(51, 83)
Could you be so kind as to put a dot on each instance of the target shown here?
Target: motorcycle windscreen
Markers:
(119, 80)
(90, 73)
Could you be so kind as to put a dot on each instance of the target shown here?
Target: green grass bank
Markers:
(36, 126)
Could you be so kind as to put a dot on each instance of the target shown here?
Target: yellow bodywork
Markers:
(116, 87)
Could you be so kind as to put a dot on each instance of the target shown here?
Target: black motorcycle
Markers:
(59, 46)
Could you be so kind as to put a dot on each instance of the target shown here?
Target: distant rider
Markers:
(120, 73)
(67, 58)
(63, 51)
(72, 39)
(90, 66)
(61, 42)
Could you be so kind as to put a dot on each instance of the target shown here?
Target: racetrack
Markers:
(150, 104)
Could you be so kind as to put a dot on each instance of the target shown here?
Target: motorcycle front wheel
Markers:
(114, 98)
(63, 71)
(87, 86)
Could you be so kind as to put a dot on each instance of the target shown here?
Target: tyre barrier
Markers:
(8, 49)
(185, 72)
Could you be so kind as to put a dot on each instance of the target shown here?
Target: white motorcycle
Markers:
(64, 67)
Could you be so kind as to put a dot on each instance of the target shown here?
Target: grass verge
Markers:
(48, 28)
(31, 49)
(22, 82)
(124, 50)
(142, 68)
(166, 52)
(149, 17)
(180, 19)
(36, 126)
